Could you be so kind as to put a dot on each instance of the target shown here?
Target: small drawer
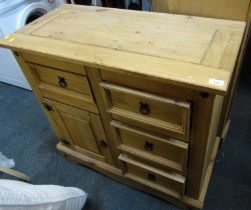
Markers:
(147, 85)
(167, 152)
(148, 111)
(54, 63)
(170, 183)
(65, 87)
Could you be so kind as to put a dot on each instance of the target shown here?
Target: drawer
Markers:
(54, 63)
(163, 151)
(149, 111)
(65, 87)
(170, 183)
(147, 85)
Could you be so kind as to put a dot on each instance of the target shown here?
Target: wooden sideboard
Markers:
(134, 95)
(224, 9)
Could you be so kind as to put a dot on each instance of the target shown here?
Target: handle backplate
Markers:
(144, 108)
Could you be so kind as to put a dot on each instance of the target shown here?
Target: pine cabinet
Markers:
(136, 96)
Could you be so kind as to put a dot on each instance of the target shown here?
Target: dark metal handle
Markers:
(62, 83)
(149, 146)
(65, 142)
(151, 177)
(144, 108)
(48, 107)
(103, 144)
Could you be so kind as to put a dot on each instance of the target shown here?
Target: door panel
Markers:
(81, 131)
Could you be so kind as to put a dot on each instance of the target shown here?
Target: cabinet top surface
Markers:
(193, 52)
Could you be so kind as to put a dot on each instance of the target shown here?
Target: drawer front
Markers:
(65, 87)
(146, 110)
(61, 79)
(170, 183)
(147, 85)
(166, 151)
(54, 63)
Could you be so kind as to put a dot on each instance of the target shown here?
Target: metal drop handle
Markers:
(65, 142)
(62, 83)
(149, 146)
(151, 177)
(144, 108)
(103, 144)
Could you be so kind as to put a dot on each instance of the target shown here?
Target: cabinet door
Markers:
(80, 130)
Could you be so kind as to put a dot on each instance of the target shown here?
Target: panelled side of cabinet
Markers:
(225, 121)
(202, 114)
(203, 139)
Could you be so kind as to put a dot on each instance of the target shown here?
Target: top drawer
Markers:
(148, 111)
(69, 88)
(148, 85)
(62, 79)
(54, 63)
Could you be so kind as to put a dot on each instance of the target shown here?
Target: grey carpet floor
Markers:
(26, 136)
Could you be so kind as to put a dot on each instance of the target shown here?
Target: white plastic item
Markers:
(5, 162)
(15, 195)
(14, 14)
